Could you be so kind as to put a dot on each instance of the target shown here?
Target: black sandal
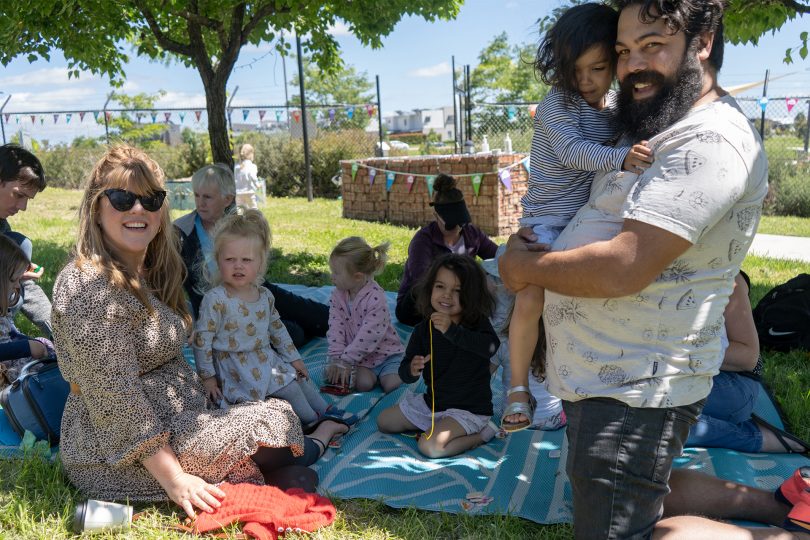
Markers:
(782, 436)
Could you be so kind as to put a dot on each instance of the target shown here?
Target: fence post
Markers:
(455, 109)
(379, 113)
(764, 97)
(3, 123)
(304, 116)
(806, 127)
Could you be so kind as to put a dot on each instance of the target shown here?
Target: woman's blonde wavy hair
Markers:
(241, 223)
(125, 167)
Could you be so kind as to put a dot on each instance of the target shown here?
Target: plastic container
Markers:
(507, 144)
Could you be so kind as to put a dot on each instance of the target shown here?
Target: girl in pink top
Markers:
(360, 333)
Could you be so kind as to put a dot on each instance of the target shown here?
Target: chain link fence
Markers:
(784, 129)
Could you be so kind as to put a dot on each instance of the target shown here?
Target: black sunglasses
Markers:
(123, 200)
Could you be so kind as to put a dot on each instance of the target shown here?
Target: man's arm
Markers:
(623, 265)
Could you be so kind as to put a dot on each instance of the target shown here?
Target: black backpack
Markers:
(782, 316)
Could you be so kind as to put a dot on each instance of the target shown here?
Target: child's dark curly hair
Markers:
(476, 300)
(577, 30)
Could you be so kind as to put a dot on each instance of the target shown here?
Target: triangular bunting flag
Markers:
(182, 115)
(331, 115)
(17, 119)
(763, 103)
(41, 120)
(532, 110)
(278, 115)
(349, 112)
(108, 116)
(154, 116)
(791, 102)
(55, 118)
(410, 182)
(261, 114)
(354, 169)
(81, 116)
(296, 115)
(68, 116)
(370, 110)
(198, 114)
(371, 174)
(245, 114)
(167, 116)
(527, 165)
(506, 179)
(389, 180)
(96, 115)
(7, 117)
(511, 112)
(430, 179)
(139, 116)
(33, 119)
(476, 182)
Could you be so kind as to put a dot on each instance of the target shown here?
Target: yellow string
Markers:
(432, 391)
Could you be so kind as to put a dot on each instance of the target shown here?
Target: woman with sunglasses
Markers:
(135, 424)
(214, 194)
(450, 232)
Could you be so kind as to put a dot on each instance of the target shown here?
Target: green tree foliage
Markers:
(129, 126)
(800, 125)
(505, 73)
(344, 86)
(203, 34)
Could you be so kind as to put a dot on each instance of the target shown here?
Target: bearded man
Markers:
(638, 281)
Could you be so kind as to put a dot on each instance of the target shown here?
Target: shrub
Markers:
(68, 167)
(789, 193)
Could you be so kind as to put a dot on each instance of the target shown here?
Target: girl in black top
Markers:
(451, 351)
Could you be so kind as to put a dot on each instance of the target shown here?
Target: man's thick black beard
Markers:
(640, 120)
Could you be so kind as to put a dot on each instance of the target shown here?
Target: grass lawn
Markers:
(37, 502)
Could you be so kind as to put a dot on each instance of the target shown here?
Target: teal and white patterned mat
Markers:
(522, 475)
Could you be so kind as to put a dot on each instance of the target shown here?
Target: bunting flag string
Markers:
(198, 114)
(371, 174)
(522, 163)
(390, 176)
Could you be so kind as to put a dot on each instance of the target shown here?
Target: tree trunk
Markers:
(215, 101)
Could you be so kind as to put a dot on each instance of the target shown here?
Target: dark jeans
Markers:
(619, 461)
(281, 469)
(303, 318)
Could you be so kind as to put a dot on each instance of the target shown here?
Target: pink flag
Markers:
(197, 114)
(108, 115)
(296, 116)
(532, 110)
(261, 114)
(81, 116)
(791, 102)
(167, 116)
(33, 119)
(55, 118)
(7, 117)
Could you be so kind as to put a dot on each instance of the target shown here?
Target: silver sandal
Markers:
(518, 407)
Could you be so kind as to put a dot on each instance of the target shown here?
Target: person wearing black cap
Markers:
(450, 232)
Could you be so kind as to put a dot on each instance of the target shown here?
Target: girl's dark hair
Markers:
(577, 30)
(476, 300)
(694, 17)
(445, 190)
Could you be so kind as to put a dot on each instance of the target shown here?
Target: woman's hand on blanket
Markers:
(418, 364)
(212, 389)
(300, 369)
(191, 492)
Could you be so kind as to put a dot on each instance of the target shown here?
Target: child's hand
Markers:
(638, 159)
(34, 272)
(38, 350)
(418, 364)
(337, 374)
(212, 389)
(441, 321)
(300, 369)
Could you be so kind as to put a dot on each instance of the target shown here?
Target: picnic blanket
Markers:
(522, 474)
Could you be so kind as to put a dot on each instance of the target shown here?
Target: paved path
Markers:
(781, 247)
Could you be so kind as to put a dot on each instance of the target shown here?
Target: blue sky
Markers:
(413, 65)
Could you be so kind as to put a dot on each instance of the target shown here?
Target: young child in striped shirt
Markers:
(574, 127)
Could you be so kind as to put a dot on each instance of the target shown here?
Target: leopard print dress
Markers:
(137, 394)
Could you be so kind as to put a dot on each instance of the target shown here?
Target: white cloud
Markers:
(340, 28)
(442, 68)
(181, 99)
(71, 98)
(46, 76)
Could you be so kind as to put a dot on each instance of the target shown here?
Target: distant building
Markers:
(422, 121)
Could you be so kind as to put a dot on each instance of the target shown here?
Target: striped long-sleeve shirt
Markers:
(568, 146)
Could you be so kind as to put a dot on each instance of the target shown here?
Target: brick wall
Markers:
(495, 210)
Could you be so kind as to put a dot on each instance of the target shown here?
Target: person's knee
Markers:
(389, 383)
(431, 448)
(384, 423)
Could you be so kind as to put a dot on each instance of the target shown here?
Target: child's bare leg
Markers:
(391, 420)
(390, 382)
(448, 439)
(365, 379)
(523, 335)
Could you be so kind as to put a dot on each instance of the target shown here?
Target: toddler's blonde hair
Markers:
(361, 257)
(242, 223)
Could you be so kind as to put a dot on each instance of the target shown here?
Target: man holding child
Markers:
(638, 281)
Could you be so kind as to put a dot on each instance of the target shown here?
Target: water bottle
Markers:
(485, 145)
(507, 144)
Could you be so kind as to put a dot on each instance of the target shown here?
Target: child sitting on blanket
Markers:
(242, 350)
(451, 350)
(16, 349)
(361, 335)
(548, 411)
